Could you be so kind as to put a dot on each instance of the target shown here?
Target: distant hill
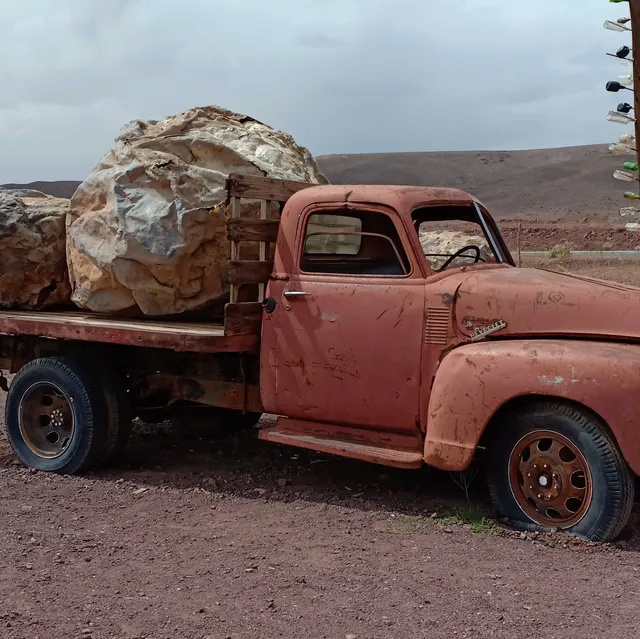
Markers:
(57, 189)
(571, 183)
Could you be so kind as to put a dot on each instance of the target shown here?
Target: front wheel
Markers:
(553, 466)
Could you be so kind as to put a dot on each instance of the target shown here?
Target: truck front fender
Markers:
(474, 381)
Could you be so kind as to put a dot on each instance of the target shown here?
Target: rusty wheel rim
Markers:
(550, 479)
(46, 420)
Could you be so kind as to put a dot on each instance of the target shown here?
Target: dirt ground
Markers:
(542, 236)
(235, 538)
(195, 537)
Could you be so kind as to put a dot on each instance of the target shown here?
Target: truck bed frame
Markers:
(175, 335)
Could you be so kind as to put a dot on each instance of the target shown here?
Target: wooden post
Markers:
(634, 8)
(264, 209)
(235, 247)
(519, 245)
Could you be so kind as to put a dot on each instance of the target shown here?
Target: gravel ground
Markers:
(539, 236)
(238, 538)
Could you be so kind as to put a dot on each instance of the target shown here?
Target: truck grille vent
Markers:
(437, 326)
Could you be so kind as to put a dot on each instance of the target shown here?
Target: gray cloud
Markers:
(319, 41)
(342, 76)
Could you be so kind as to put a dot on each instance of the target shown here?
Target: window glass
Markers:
(333, 235)
(353, 243)
(452, 237)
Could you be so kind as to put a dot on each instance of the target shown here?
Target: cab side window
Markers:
(353, 243)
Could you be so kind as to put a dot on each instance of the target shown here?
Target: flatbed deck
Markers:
(175, 335)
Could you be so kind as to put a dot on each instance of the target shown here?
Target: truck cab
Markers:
(358, 314)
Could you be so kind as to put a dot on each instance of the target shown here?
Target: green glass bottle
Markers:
(630, 166)
(630, 195)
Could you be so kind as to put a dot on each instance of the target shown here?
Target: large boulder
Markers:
(146, 230)
(33, 270)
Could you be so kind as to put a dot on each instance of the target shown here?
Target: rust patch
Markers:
(389, 449)
(448, 299)
(234, 395)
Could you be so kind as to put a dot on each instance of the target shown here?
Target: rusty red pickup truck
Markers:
(370, 333)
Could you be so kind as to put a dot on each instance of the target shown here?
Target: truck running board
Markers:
(402, 451)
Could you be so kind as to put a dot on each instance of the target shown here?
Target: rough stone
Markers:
(146, 230)
(33, 272)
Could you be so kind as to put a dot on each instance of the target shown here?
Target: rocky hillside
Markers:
(570, 183)
(57, 189)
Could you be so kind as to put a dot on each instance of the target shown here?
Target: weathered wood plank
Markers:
(235, 247)
(264, 214)
(262, 188)
(248, 271)
(244, 230)
(242, 319)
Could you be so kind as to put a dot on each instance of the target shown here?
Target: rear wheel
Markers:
(119, 416)
(55, 416)
(553, 466)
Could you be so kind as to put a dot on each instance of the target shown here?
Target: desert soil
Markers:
(204, 537)
(542, 236)
(233, 538)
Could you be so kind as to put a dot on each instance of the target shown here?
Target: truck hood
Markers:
(541, 303)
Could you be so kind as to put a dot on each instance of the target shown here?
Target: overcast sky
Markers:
(342, 76)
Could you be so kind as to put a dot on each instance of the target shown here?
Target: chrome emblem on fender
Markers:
(481, 332)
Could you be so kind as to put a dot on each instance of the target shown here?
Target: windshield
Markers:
(455, 236)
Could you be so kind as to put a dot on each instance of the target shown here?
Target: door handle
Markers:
(294, 294)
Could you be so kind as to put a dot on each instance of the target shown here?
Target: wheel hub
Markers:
(550, 479)
(46, 420)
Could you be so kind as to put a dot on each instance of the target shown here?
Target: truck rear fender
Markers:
(475, 381)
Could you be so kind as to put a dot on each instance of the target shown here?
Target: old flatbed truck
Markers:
(345, 330)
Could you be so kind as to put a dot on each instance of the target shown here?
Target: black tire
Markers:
(78, 390)
(120, 418)
(608, 488)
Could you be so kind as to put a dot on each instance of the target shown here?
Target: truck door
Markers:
(343, 343)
